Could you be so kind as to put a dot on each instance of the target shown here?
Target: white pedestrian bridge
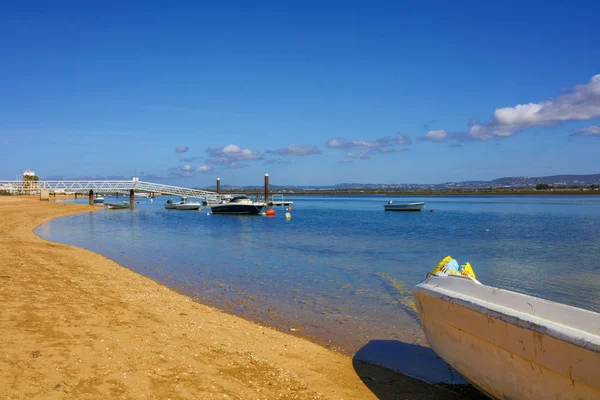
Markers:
(100, 186)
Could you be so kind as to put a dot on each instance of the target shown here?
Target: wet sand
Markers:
(75, 324)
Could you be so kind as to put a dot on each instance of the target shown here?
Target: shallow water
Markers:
(341, 269)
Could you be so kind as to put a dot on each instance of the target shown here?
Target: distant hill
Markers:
(508, 182)
(554, 180)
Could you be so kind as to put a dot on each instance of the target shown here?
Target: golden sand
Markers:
(76, 325)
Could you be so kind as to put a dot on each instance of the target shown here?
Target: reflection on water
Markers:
(341, 269)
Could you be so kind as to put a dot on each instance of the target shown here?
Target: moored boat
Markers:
(238, 205)
(183, 204)
(98, 200)
(390, 206)
(187, 205)
(116, 206)
(509, 345)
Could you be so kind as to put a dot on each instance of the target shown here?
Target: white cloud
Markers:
(387, 149)
(203, 168)
(361, 156)
(187, 167)
(340, 143)
(181, 172)
(190, 159)
(435, 136)
(402, 139)
(181, 149)
(276, 161)
(231, 155)
(294, 150)
(581, 103)
(592, 130)
(373, 147)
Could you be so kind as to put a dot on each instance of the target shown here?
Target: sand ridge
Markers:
(76, 325)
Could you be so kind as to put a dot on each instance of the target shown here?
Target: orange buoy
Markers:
(270, 212)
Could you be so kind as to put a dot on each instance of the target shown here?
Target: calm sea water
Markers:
(341, 269)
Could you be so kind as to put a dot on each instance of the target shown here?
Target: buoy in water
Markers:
(431, 210)
(288, 215)
(270, 212)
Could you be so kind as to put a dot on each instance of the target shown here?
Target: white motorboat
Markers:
(390, 206)
(238, 205)
(98, 200)
(510, 345)
(183, 204)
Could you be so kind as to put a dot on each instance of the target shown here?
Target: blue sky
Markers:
(309, 92)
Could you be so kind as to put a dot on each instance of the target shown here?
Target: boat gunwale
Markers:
(578, 337)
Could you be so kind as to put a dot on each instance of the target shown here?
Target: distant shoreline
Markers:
(420, 193)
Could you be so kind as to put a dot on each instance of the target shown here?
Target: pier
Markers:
(91, 188)
(100, 186)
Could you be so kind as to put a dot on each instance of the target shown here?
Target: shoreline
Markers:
(419, 193)
(78, 325)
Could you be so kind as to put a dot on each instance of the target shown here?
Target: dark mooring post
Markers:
(131, 198)
(219, 189)
(75, 195)
(91, 197)
(266, 188)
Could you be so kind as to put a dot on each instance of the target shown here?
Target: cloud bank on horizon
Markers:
(580, 104)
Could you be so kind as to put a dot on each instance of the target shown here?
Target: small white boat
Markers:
(98, 200)
(190, 205)
(403, 206)
(183, 204)
(117, 206)
(511, 345)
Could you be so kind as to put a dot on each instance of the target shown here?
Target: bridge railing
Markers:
(99, 186)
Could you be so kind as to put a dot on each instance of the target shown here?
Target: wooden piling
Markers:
(131, 198)
(266, 188)
(219, 189)
(91, 197)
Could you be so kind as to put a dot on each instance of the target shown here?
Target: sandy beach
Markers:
(77, 325)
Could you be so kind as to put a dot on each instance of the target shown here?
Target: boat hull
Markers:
(237, 209)
(170, 206)
(506, 351)
(117, 206)
(187, 206)
(403, 207)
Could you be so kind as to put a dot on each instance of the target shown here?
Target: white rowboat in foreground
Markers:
(511, 345)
